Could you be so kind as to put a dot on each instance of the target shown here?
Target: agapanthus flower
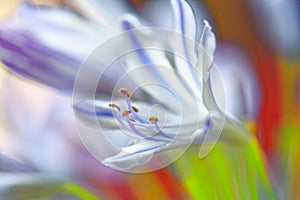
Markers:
(186, 72)
(172, 61)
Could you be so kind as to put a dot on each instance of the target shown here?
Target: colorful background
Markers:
(41, 155)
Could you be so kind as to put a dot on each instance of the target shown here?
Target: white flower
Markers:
(185, 71)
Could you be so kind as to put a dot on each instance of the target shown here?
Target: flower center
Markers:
(137, 124)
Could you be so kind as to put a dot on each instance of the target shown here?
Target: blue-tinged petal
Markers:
(98, 108)
(183, 45)
(96, 113)
(184, 20)
(146, 56)
(37, 44)
(30, 58)
(74, 35)
(136, 154)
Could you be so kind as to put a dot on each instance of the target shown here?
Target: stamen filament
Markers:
(134, 129)
(129, 119)
(114, 106)
(123, 124)
(154, 120)
(132, 108)
(162, 132)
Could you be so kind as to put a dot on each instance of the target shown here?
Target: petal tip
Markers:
(129, 19)
(206, 24)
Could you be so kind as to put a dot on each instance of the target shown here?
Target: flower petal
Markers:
(134, 155)
(206, 50)
(183, 45)
(74, 36)
(146, 56)
(28, 57)
(39, 45)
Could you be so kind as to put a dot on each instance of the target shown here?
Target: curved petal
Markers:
(183, 44)
(38, 44)
(73, 36)
(32, 59)
(146, 56)
(206, 50)
(137, 154)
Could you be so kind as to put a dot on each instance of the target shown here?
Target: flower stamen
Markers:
(154, 120)
(135, 109)
(132, 108)
(114, 106)
(132, 120)
(125, 92)
(126, 113)
(129, 119)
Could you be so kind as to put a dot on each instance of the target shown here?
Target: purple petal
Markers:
(28, 57)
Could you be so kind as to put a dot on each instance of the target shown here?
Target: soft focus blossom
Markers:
(150, 86)
(56, 63)
(199, 122)
(242, 92)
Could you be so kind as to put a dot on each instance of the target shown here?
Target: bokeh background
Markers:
(258, 54)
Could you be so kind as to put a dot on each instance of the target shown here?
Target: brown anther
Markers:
(126, 112)
(125, 92)
(153, 119)
(131, 119)
(114, 106)
(135, 109)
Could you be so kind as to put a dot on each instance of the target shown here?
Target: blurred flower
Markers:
(279, 23)
(40, 186)
(49, 50)
(48, 123)
(242, 91)
(41, 46)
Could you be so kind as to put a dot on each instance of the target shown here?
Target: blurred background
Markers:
(258, 55)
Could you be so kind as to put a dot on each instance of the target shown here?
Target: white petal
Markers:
(183, 45)
(73, 35)
(184, 19)
(134, 155)
(147, 56)
(206, 50)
